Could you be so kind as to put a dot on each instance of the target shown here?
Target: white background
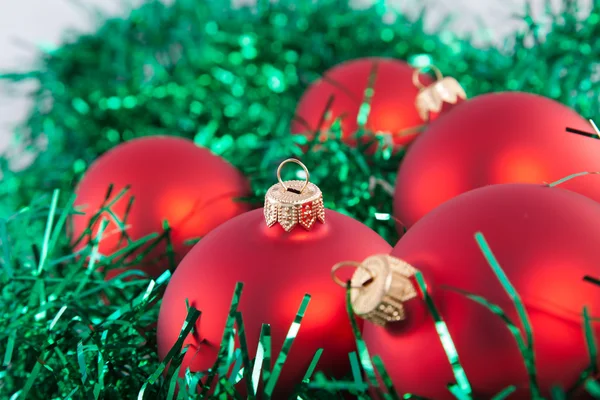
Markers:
(27, 24)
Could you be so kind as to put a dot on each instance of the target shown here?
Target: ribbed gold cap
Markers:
(379, 288)
(432, 98)
(294, 202)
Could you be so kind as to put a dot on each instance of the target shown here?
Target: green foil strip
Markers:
(462, 382)
(557, 393)
(385, 377)
(590, 341)
(245, 356)
(311, 367)
(229, 390)
(413, 397)
(512, 328)
(237, 371)
(173, 383)
(361, 346)
(102, 367)
(365, 107)
(224, 357)
(262, 361)
(285, 349)
(520, 307)
(187, 327)
(334, 386)
(355, 365)
(593, 388)
(58, 230)
(169, 246)
(505, 393)
(48, 231)
(7, 267)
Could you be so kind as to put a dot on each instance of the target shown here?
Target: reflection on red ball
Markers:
(546, 240)
(277, 269)
(170, 179)
(508, 137)
(392, 105)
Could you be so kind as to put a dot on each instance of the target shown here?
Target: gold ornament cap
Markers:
(293, 203)
(431, 98)
(379, 288)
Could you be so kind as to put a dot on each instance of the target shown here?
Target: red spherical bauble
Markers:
(170, 179)
(546, 241)
(508, 137)
(278, 265)
(392, 111)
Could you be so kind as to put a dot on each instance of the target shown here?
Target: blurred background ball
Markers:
(392, 105)
(169, 178)
(507, 137)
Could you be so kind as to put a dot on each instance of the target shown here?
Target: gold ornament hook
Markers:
(294, 202)
(350, 264)
(431, 99)
(415, 78)
(384, 284)
(293, 160)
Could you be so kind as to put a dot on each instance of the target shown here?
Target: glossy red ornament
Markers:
(546, 241)
(508, 137)
(392, 110)
(170, 179)
(277, 268)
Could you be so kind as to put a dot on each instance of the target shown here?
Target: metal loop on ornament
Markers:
(415, 77)
(292, 160)
(349, 264)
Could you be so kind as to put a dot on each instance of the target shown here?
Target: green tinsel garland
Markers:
(229, 79)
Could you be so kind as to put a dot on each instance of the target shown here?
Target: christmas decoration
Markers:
(343, 90)
(167, 179)
(382, 288)
(438, 97)
(287, 247)
(508, 137)
(544, 239)
(229, 78)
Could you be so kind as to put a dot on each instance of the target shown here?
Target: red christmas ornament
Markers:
(278, 260)
(545, 239)
(508, 137)
(170, 179)
(392, 111)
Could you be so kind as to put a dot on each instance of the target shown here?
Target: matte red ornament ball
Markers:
(392, 105)
(508, 137)
(170, 179)
(546, 241)
(277, 268)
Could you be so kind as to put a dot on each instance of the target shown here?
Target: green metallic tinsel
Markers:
(229, 79)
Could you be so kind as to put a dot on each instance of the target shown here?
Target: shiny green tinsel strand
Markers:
(229, 79)
(526, 341)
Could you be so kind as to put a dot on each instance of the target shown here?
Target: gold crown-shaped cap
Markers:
(294, 202)
(432, 98)
(379, 288)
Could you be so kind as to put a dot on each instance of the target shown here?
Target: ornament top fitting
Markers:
(294, 202)
(379, 287)
(431, 98)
